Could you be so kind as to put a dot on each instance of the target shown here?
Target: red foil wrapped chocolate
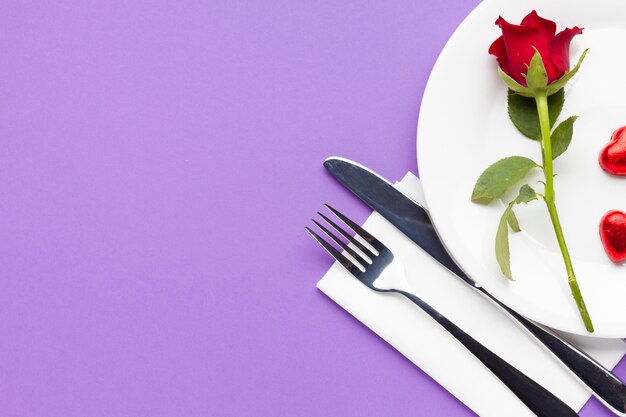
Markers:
(613, 235)
(613, 156)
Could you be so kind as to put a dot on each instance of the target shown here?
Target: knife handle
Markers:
(607, 387)
(538, 399)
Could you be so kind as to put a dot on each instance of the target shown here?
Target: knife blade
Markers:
(398, 208)
(414, 221)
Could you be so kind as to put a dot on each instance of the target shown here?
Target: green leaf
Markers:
(536, 77)
(514, 85)
(560, 83)
(523, 112)
(562, 136)
(512, 221)
(526, 194)
(496, 179)
(503, 255)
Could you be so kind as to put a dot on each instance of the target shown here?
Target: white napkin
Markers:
(431, 348)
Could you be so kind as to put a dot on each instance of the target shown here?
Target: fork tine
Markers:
(341, 243)
(348, 236)
(335, 253)
(357, 229)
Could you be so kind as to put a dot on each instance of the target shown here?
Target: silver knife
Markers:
(414, 221)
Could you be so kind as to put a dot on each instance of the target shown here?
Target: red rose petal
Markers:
(520, 42)
(547, 28)
(498, 49)
(559, 48)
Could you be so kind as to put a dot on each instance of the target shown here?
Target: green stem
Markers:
(544, 120)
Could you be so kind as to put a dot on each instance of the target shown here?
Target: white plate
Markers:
(464, 127)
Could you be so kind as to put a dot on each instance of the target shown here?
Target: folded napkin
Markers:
(431, 348)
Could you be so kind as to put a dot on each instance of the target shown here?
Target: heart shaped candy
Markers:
(613, 156)
(613, 235)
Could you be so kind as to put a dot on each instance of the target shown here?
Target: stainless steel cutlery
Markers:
(374, 265)
(414, 221)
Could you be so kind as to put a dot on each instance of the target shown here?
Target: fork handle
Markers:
(538, 399)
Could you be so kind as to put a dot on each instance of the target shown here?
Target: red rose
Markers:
(516, 47)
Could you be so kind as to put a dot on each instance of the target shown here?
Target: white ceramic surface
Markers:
(464, 127)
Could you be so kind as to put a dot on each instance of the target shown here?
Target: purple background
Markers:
(159, 161)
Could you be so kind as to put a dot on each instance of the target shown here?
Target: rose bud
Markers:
(518, 44)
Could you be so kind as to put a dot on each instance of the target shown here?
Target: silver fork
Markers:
(377, 268)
